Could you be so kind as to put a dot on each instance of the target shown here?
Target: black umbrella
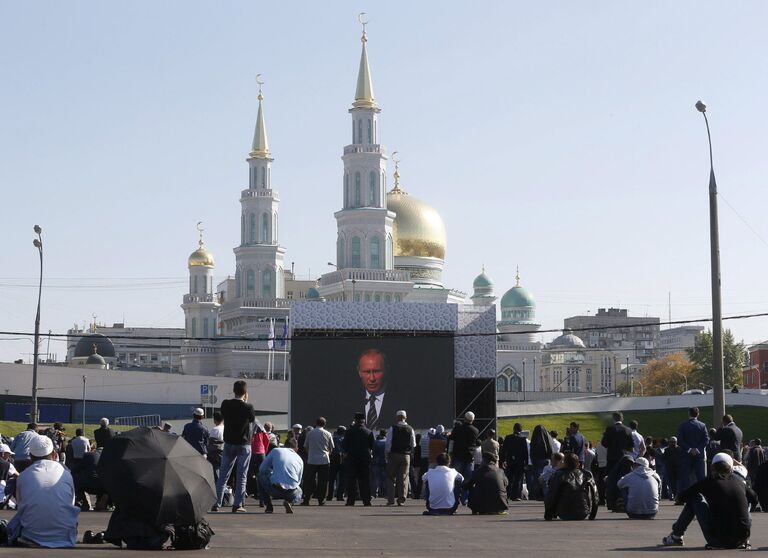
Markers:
(158, 477)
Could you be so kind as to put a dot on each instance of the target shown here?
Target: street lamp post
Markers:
(38, 243)
(627, 376)
(523, 379)
(718, 397)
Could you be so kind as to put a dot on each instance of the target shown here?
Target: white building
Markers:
(678, 339)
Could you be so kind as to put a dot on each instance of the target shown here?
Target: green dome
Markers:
(482, 280)
(312, 292)
(517, 297)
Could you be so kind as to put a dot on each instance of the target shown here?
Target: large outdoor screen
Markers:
(336, 377)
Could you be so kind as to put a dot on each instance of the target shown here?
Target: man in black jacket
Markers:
(572, 494)
(720, 503)
(103, 433)
(487, 488)
(358, 447)
(618, 439)
(463, 441)
(514, 456)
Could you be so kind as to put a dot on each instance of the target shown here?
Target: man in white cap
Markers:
(398, 446)
(641, 488)
(462, 443)
(8, 475)
(720, 503)
(195, 432)
(46, 514)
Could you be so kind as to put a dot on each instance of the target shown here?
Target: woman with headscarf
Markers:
(540, 453)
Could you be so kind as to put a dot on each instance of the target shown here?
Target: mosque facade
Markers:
(390, 247)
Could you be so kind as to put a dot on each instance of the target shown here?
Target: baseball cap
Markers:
(642, 461)
(198, 412)
(5, 449)
(723, 458)
(41, 446)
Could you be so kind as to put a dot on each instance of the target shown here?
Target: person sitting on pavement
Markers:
(46, 515)
(720, 503)
(20, 446)
(572, 493)
(8, 476)
(487, 487)
(280, 476)
(442, 487)
(554, 464)
(641, 490)
(614, 499)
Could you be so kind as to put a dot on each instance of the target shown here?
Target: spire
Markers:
(364, 97)
(396, 188)
(260, 147)
(517, 276)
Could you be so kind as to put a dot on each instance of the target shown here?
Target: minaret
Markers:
(364, 224)
(200, 304)
(259, 258)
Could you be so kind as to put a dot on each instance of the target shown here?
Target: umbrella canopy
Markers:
(157, 476)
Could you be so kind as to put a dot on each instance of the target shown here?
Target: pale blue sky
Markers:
(562, 138)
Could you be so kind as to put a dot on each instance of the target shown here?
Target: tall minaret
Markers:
(364, 224)
(259, 258)
(200, 305)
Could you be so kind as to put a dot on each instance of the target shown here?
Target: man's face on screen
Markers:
(370, 368)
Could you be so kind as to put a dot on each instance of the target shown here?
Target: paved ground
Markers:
(335, 530)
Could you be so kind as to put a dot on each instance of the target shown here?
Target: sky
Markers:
(560, 138)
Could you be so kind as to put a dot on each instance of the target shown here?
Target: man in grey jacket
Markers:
(641, 489)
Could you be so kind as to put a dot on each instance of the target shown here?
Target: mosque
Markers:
(390, 247)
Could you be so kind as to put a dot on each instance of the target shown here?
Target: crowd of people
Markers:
(712, 474)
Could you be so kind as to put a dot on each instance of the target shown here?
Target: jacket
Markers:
(541, 444)
(572, 495)
(358, 445)
(618, 439)
(693, 434)
(487, 489)
(196, 434)
(514, 451)
(643, 486)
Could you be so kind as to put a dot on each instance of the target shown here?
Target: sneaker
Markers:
(269, 509)
(672, 540)
(215, 508)
(238, 509)
(288, 507)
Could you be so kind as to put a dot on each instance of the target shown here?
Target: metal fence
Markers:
(139, 420)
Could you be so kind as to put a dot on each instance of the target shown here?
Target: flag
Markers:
(285, 333)
(271, 338)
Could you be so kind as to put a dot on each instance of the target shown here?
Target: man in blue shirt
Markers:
(195, 432)
(692, 438)
(20, 446)
(280, 476)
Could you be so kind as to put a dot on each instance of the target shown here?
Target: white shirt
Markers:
(637, 440)
(555, 446)
(80, 446)
(217, 433)
(45, 497)
(377, 403)
(442, 481)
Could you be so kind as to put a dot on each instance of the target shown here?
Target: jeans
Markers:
(465, 469)
(379, 480)
(267, 491)
(688, 464)
(239, 456)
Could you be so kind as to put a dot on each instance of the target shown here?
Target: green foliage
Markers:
(701, 357)
(8, 428)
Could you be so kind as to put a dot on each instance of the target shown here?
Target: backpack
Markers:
(192, 537)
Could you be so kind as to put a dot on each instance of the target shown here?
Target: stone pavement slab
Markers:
(336, 530)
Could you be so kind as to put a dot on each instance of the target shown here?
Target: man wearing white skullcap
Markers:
(45, 494)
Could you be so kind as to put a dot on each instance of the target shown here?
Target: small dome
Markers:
(482, 281)
(313, 293)
(104, 346)
(517, 297)
(200, 257)
(418, 229)
(567, 341)
(96, 359)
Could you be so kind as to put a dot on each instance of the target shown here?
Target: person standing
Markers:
(618, 439)
(577, 444)
(259, 446)
(399, 443)
(463, 441)
(216, 444)
(318, 444)
(490, 444)
(693, 439)
(379, 466)
(239, 417)
(103, 433)
(638, 442)
(673, 456)
(336, 472)
(357, 447)
(514, 454)
(729, 435)
(196, 434)
(540, 452)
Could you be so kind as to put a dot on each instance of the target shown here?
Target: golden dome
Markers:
(200, 257)
(418, 229)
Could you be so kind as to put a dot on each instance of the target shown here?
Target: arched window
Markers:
(390, 263)
(397, 298)
(341, 256)
(387, 298)
(265, 228)
(266, 283)
(357, 189)
(372, 190)
(205, 327)
(377, 298)
(238, 290)
(250, 282)
(359, 130)
(370, 137)
(193, 333)
(375, 250)
(252, 229)
(501, 383)
(516, 383)
(354, 256)
(263, 177)
(367, 297)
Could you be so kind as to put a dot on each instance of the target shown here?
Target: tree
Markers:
(701, 357)
(669, 375)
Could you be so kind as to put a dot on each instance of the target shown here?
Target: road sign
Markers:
(204, 389)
